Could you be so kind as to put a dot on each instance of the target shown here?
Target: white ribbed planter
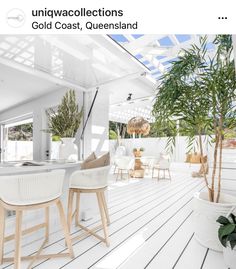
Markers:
(230, 257)
(68, 150)
(205, 215)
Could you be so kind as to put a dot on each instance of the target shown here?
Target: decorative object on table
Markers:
(138, 152)
(163, 166)
(138, 170)
(138, 126)
(203, 107)
(227, 237)
(64, 122)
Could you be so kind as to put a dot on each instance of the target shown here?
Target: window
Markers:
(18, 140)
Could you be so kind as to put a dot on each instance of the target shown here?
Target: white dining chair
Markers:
(93, 181)
(24, 192)
(163, 165)
(124, 165)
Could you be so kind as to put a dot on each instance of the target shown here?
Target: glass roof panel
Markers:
(183, 38)
(137, 36)
(160, 57)
(166, 41)
(119, 38)
(138, 56)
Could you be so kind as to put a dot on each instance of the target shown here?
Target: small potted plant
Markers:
(138, 152)
(63, 123)
(227, 237)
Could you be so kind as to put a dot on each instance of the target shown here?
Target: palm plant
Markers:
(199, 91)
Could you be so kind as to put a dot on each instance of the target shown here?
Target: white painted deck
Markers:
(151, 228)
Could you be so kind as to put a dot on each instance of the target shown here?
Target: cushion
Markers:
(90, 158)
(104, 160)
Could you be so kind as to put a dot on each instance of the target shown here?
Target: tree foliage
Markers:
(199, 90)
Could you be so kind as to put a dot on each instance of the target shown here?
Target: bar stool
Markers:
(95, 181)
(30, 192)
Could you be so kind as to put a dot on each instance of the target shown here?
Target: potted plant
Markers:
(199, 91)
(64, 122)
(138, 152)
(227, 237)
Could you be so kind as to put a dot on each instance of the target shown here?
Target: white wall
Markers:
(154, 146)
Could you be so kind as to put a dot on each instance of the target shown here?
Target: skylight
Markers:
(156, 52)
(119, 38)
(137, 36)
(183, 38)
(166, 41)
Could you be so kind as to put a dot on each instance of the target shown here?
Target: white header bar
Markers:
(102, 16)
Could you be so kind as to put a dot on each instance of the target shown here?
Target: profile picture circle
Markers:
(15, 17)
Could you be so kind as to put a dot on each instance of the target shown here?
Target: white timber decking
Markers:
(151, 227)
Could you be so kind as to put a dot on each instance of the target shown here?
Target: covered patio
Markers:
(115, 78)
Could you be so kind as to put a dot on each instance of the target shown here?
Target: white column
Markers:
(41, 140)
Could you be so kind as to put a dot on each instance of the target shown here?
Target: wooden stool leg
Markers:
(65, 228)
(77, 209)
(105, 207)
(69, 210)
(17, 258)
(2, 232)
(47, 223)
(152, 172)
(103, 218)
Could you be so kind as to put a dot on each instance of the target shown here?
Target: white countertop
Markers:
(16, 167)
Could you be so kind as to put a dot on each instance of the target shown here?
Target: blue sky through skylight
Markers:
(119, 38)
(137, 36)
(165, 41)
(183, 38)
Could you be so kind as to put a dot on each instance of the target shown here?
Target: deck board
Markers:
(151, 228)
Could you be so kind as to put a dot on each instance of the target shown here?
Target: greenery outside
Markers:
(23, 132)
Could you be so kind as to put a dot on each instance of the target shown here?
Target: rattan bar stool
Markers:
(89, 181)
(30, 192)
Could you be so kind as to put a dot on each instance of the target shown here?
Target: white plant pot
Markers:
(230, 257)
(68, 150)
(205, 215)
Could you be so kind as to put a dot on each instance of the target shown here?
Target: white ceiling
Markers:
(17, 87)
(84, 60)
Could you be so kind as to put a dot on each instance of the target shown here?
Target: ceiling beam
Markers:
(117, 80)
(141, 42)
